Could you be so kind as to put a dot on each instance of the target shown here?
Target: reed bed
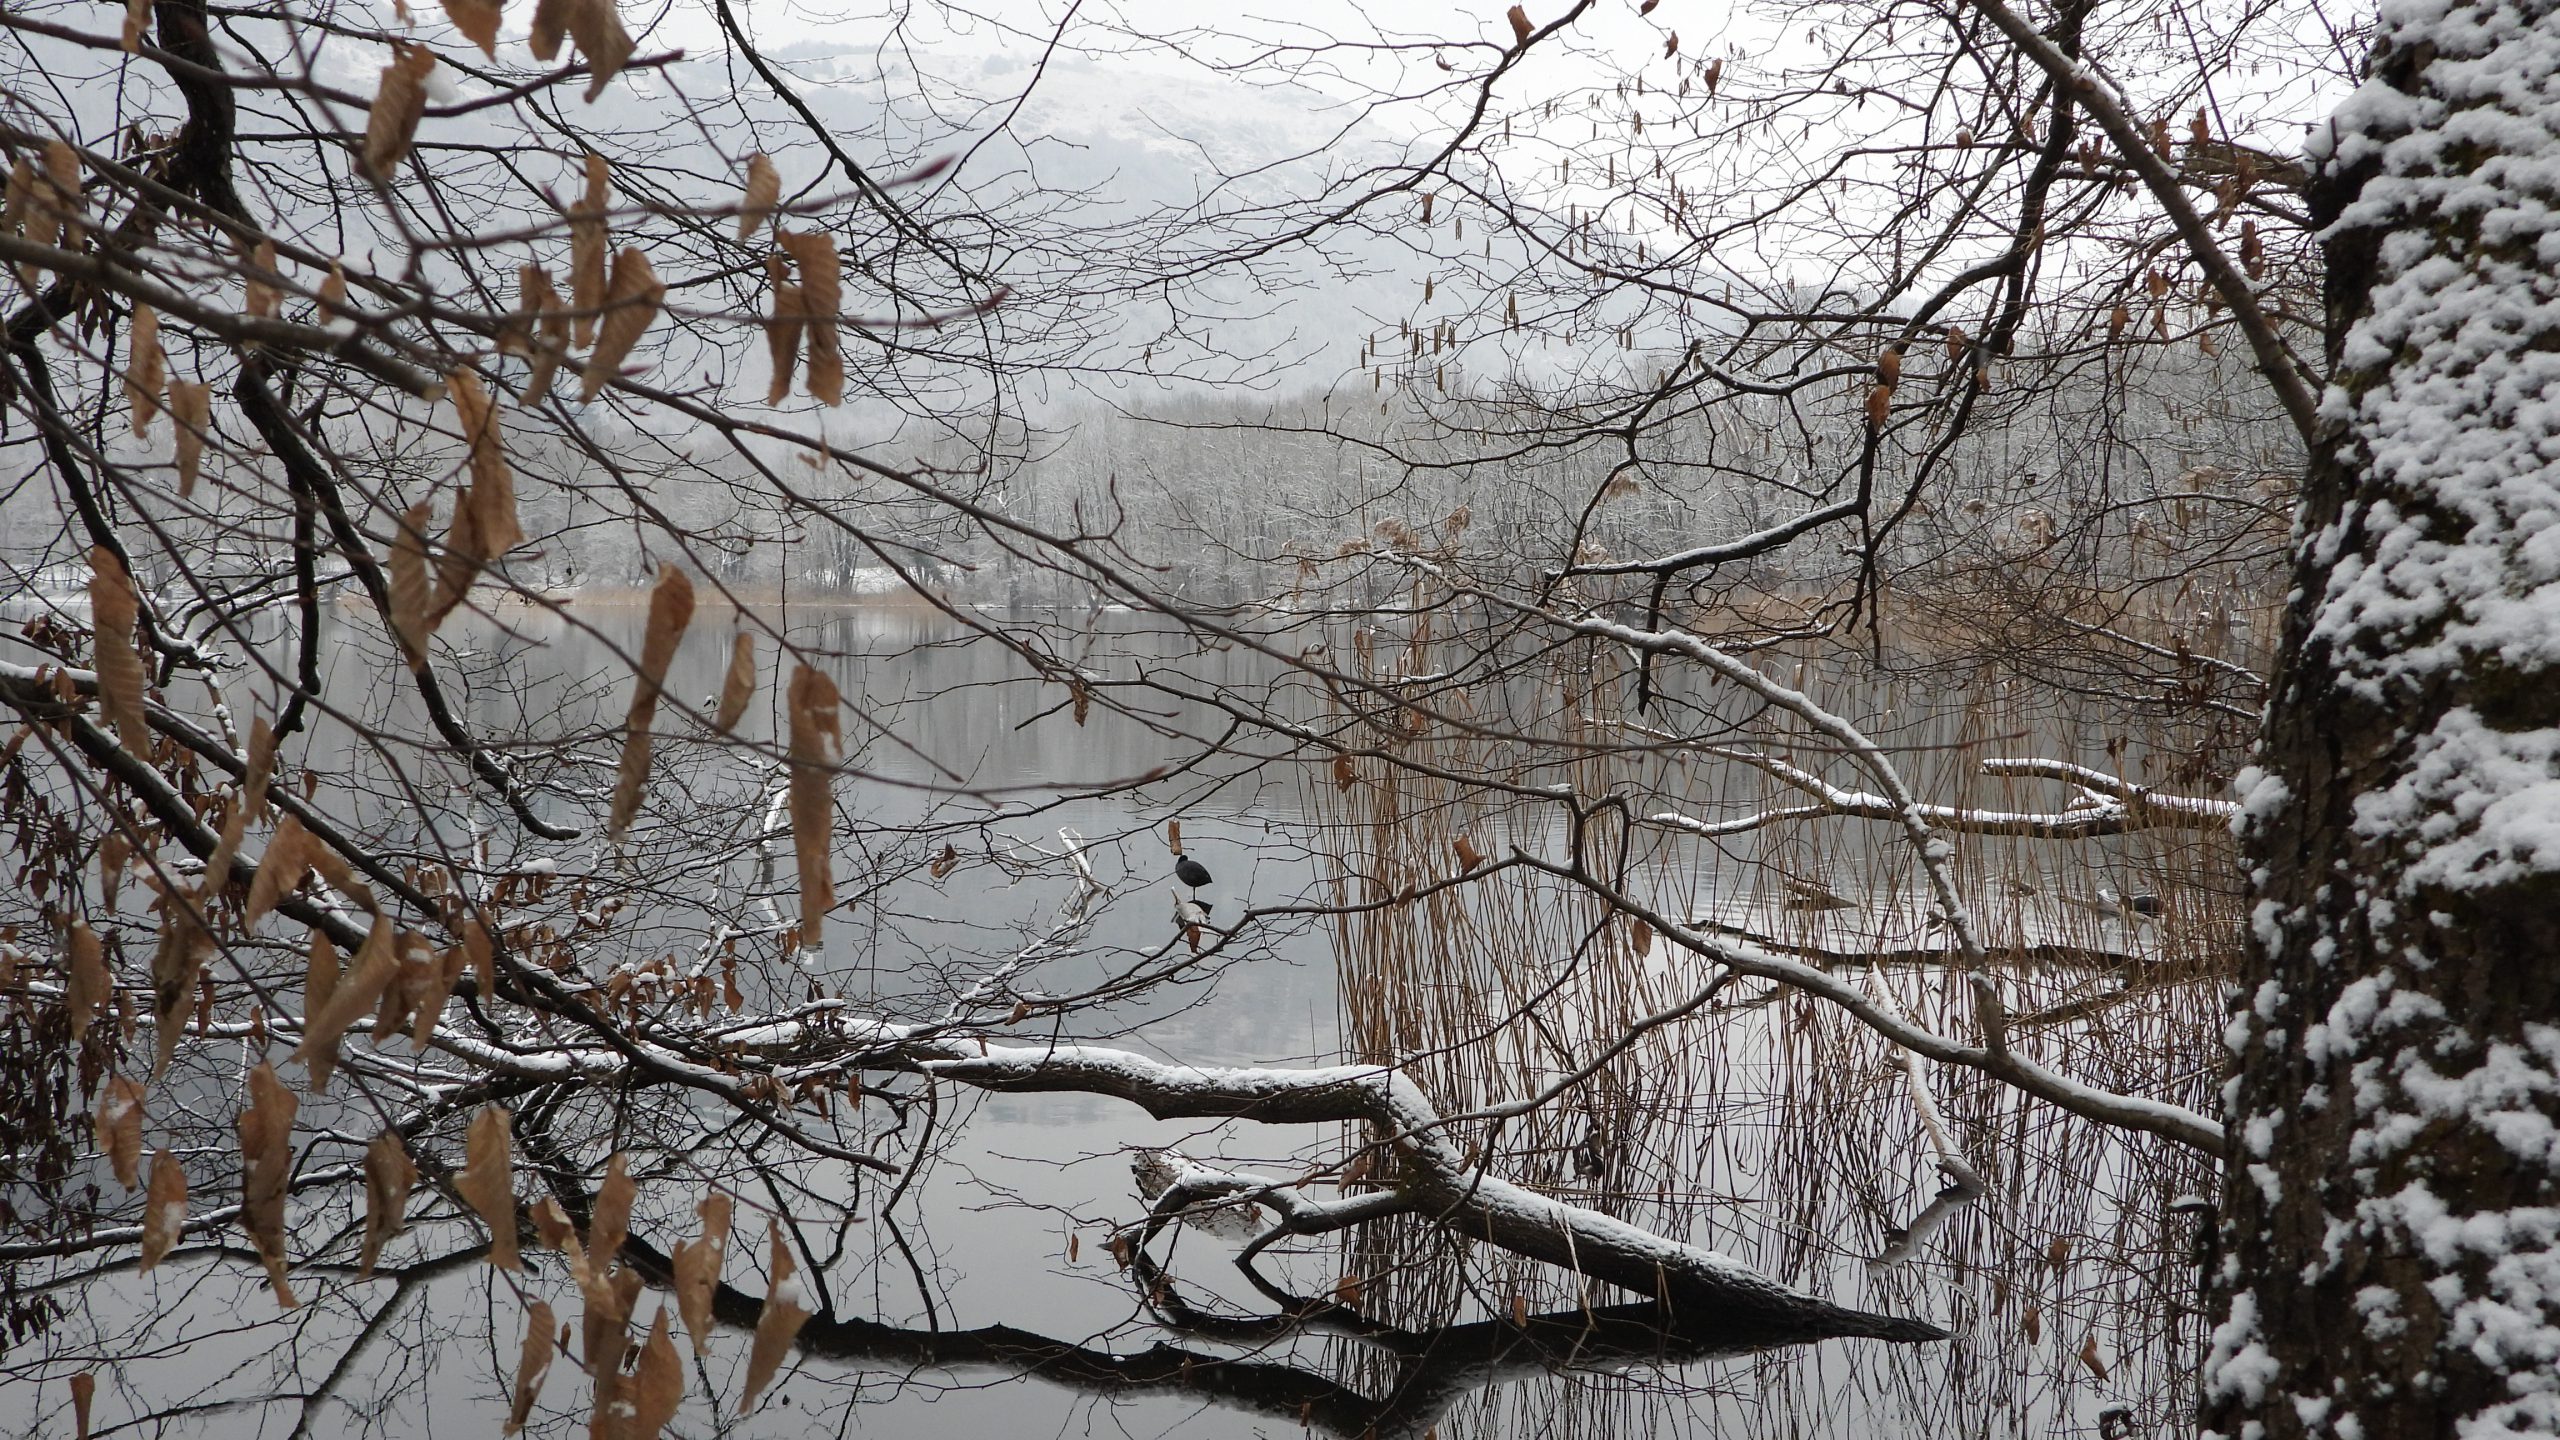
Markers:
(1772, 1125)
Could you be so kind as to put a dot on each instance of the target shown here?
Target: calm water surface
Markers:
(983, 1237)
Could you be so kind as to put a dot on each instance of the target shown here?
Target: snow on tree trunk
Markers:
(2390, 1258)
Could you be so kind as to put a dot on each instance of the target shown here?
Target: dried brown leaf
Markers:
(84, 1390)
(479, 954)
(1469, 857)
(2090, 1356)
(778, 1325)
(670, 613)
(657, 1387)
(606, 1332)
(816, 734)
(1521, 29)
(492, 501)
(113, 609)
(589, 243)
(764, 190)
(548, 343)
(280, 870)
(336, 871)
(739, 687)
(552, 1230)
(319, 974)
(822, 298)
(431, 997)
(550, 26)
(487, 1180)
(146, 372)
(191, 407)
(64, 206)
(388, 1176)
(698, 1264)
(533, 1362)
(119, 1126)
(266, 1160)
(413, 614)
(19, 206)
(177, 964)
(219, 865)
(113, 851)
(597, 28)
(632, 299)
(164, 1209)
(609, 1219)
(89, 984)
(137, 17)
(458, 568)
(375, 965)
(537, 309)
(261, 768)
(262, 297)
(397, 108)
(409, 985)
(782, 335)
(478, 22)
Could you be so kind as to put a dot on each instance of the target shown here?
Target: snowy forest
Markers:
(1647, 717)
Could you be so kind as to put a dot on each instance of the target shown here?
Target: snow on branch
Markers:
(2108, 804)
(1432, 1176)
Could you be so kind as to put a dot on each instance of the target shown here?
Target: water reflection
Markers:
(979, 1298)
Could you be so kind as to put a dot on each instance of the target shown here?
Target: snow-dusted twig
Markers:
(1072, 914)
(1993, 1057)
(2109, 805)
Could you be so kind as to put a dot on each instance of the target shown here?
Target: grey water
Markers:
(983, 1302)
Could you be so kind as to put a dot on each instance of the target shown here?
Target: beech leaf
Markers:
(413, 616)
(739, 686)
(113, 609)
(164, 1210)
(375, 965)
(816, 732)
(698, 1264)
(670, 612)
(478, 22)
(764, 188)
(589, 242)
(632, 298)
(119, 1126)
(89, 984)
(657, 1387)
(280, 871)
(389, 1175)
(487, 1180)
(146, 369)
(779, 1323)
(266, 1159)
(398, 106)
(821, 297)
(533, 1362)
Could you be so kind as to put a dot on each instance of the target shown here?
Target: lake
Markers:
(975, 1294)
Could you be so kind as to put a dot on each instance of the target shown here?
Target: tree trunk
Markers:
(2390, 1257)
